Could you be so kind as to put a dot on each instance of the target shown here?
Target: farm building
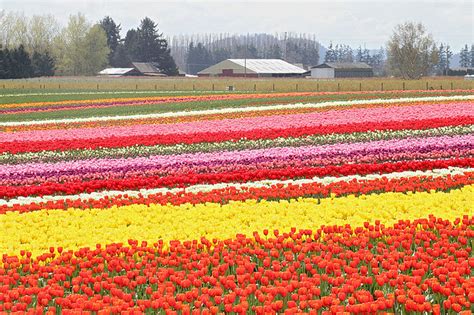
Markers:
(252, 68)
(460, 71)
(118, 72)
(147, 69)
(135, 69)
(331, 70)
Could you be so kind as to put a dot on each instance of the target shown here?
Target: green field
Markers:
(265, 98)
(65, 84)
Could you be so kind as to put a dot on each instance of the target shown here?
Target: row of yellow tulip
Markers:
(76, 228)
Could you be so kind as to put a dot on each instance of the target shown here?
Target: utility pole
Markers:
(245, 56)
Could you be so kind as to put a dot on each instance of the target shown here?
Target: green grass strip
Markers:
(202, 105)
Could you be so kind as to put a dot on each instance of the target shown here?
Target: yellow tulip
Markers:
(75, 228)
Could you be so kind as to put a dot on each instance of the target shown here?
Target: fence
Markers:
(239, 85)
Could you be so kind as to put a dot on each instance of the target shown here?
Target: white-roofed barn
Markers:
(252, 68)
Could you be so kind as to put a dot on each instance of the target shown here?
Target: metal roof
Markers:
(145, 67)
(344, 65)
(116, 71)
(268, 65)
(259, 66)
(461, 68)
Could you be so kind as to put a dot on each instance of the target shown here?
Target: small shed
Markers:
(252, 68)
(331, 70)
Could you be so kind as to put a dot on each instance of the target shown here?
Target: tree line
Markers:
(196, 52)
(16, 63)
(467, 57)
(344, 53)
(79, 48)
(38, 46)
(143, 44)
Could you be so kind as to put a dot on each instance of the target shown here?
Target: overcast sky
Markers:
(353, 22)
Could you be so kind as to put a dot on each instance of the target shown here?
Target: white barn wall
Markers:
(322, 73)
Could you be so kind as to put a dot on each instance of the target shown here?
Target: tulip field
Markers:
(243, 203)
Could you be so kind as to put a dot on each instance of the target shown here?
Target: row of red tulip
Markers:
(182, 180)
(278, 191)
(266, 133)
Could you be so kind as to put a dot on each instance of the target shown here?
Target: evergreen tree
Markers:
(338, 53)
(191, 59)
(17, 64)
(359, 55)
(152, 47)
(252, 52)
(310, 57)
(112, 31)
(120, 58)
(4, 63)
(43, 64)
(246, 51)
(131, 44)
(472, 56)
(442, 63)
(465, 59)
(344, 53)
(293, 52)
(275, 52)
(330, 54)
(347, 55)
(449, 55)
(377, 62)
(148, 41)
(10, 64)
(366, 56)
(167, 64)
(220, 54)
(198, 58)
(20, 63)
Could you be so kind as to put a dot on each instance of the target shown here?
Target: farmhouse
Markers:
(331, 70)
(252, 68)
(135, 69)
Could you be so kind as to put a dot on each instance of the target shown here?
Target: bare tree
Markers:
(411, 51)
(35, 34)
(13, 29)
(42, 29)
